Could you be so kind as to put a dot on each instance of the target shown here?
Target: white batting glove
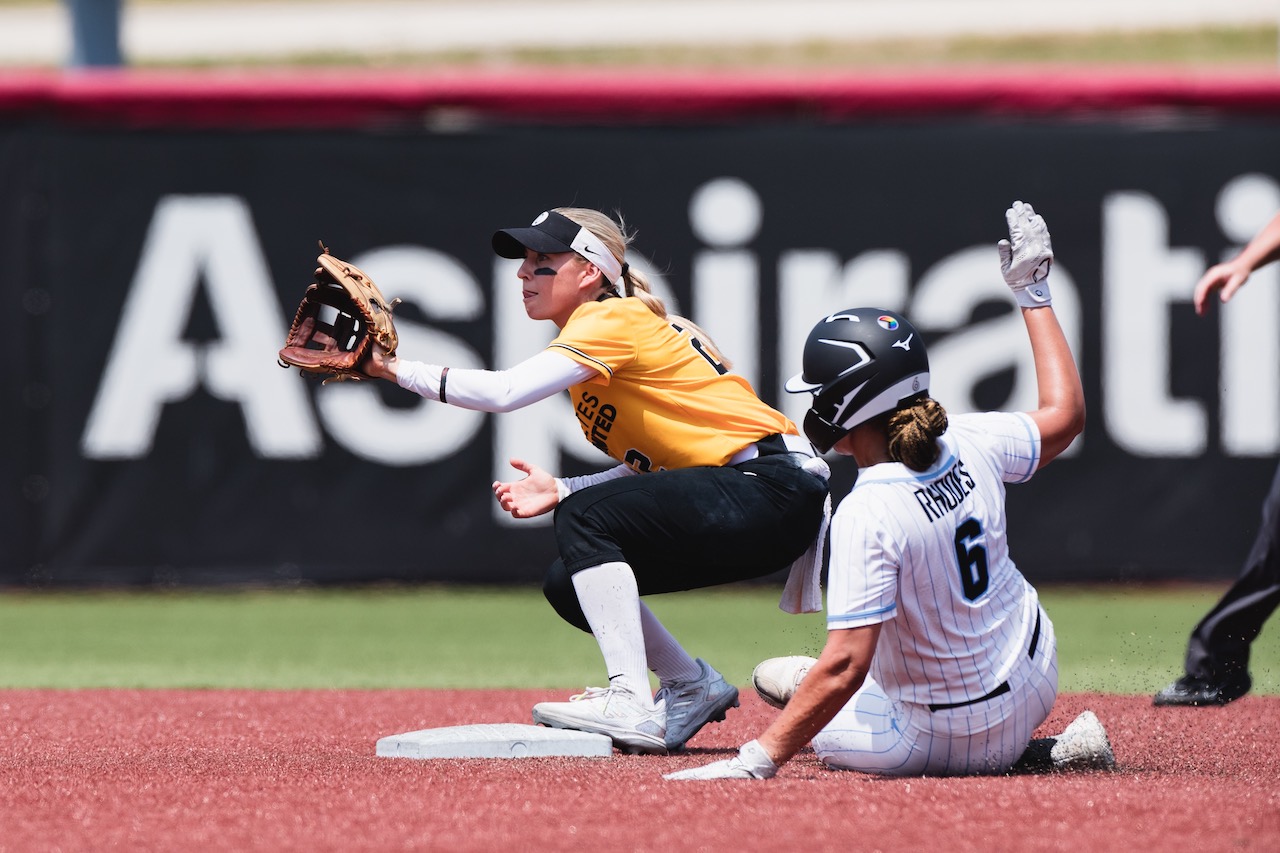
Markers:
(751, 762)
(1027, 256)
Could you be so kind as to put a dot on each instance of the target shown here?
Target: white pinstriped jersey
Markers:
(925, 553)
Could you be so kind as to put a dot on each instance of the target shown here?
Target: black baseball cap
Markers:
(554, 232)
(551, 232)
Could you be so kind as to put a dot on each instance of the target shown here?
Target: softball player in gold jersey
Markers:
(712, 484)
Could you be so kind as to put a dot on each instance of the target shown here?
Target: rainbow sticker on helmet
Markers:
(887, 322)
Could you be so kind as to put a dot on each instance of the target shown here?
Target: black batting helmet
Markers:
(858, 363)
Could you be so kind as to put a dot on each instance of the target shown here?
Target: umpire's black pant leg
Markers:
(1219, 645)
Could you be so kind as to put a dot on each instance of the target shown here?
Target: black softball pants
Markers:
(687, 528)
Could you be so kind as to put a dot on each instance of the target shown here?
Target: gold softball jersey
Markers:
(660, 399)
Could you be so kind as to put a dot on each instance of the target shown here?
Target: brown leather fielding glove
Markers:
(340, 318)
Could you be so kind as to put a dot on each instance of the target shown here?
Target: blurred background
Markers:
(167, 167)
(835, 34)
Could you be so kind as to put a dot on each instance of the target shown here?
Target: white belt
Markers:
(798, 444)
(794, 443)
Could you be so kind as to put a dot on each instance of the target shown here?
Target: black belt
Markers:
(772, 445)
(1003, 688)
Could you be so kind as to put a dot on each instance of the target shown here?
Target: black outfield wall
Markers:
(158, 232)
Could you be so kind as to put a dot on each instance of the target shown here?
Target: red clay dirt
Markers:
(247, 770)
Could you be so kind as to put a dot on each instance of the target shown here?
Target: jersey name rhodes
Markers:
(944, 494)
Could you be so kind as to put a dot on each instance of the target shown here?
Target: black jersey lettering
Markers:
(941, 497)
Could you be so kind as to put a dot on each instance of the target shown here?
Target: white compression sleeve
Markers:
(528, 382)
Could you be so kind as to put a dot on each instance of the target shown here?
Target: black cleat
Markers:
(1190, 690)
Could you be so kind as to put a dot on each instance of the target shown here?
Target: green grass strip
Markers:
(1120, 639)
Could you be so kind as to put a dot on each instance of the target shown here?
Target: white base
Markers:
(494, 740)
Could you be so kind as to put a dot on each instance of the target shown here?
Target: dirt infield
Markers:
(240, 770)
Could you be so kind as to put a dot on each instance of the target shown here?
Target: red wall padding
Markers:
(340, 99)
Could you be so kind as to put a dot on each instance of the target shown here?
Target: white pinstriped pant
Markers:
(875, 734)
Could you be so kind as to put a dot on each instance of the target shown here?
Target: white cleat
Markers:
(776, 679)
(611, 711)
(1083, 745)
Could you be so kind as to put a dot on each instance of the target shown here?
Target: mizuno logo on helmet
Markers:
(905, 343)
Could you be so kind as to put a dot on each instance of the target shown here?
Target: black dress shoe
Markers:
(1189, 690)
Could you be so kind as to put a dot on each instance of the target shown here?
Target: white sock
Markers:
(610, 600)
(666, 656)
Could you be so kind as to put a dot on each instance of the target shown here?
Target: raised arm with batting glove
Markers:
(1027, 256)
(845, 664)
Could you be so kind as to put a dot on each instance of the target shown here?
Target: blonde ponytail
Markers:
(616, 239)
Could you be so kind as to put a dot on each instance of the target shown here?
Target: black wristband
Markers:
(444, 378)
